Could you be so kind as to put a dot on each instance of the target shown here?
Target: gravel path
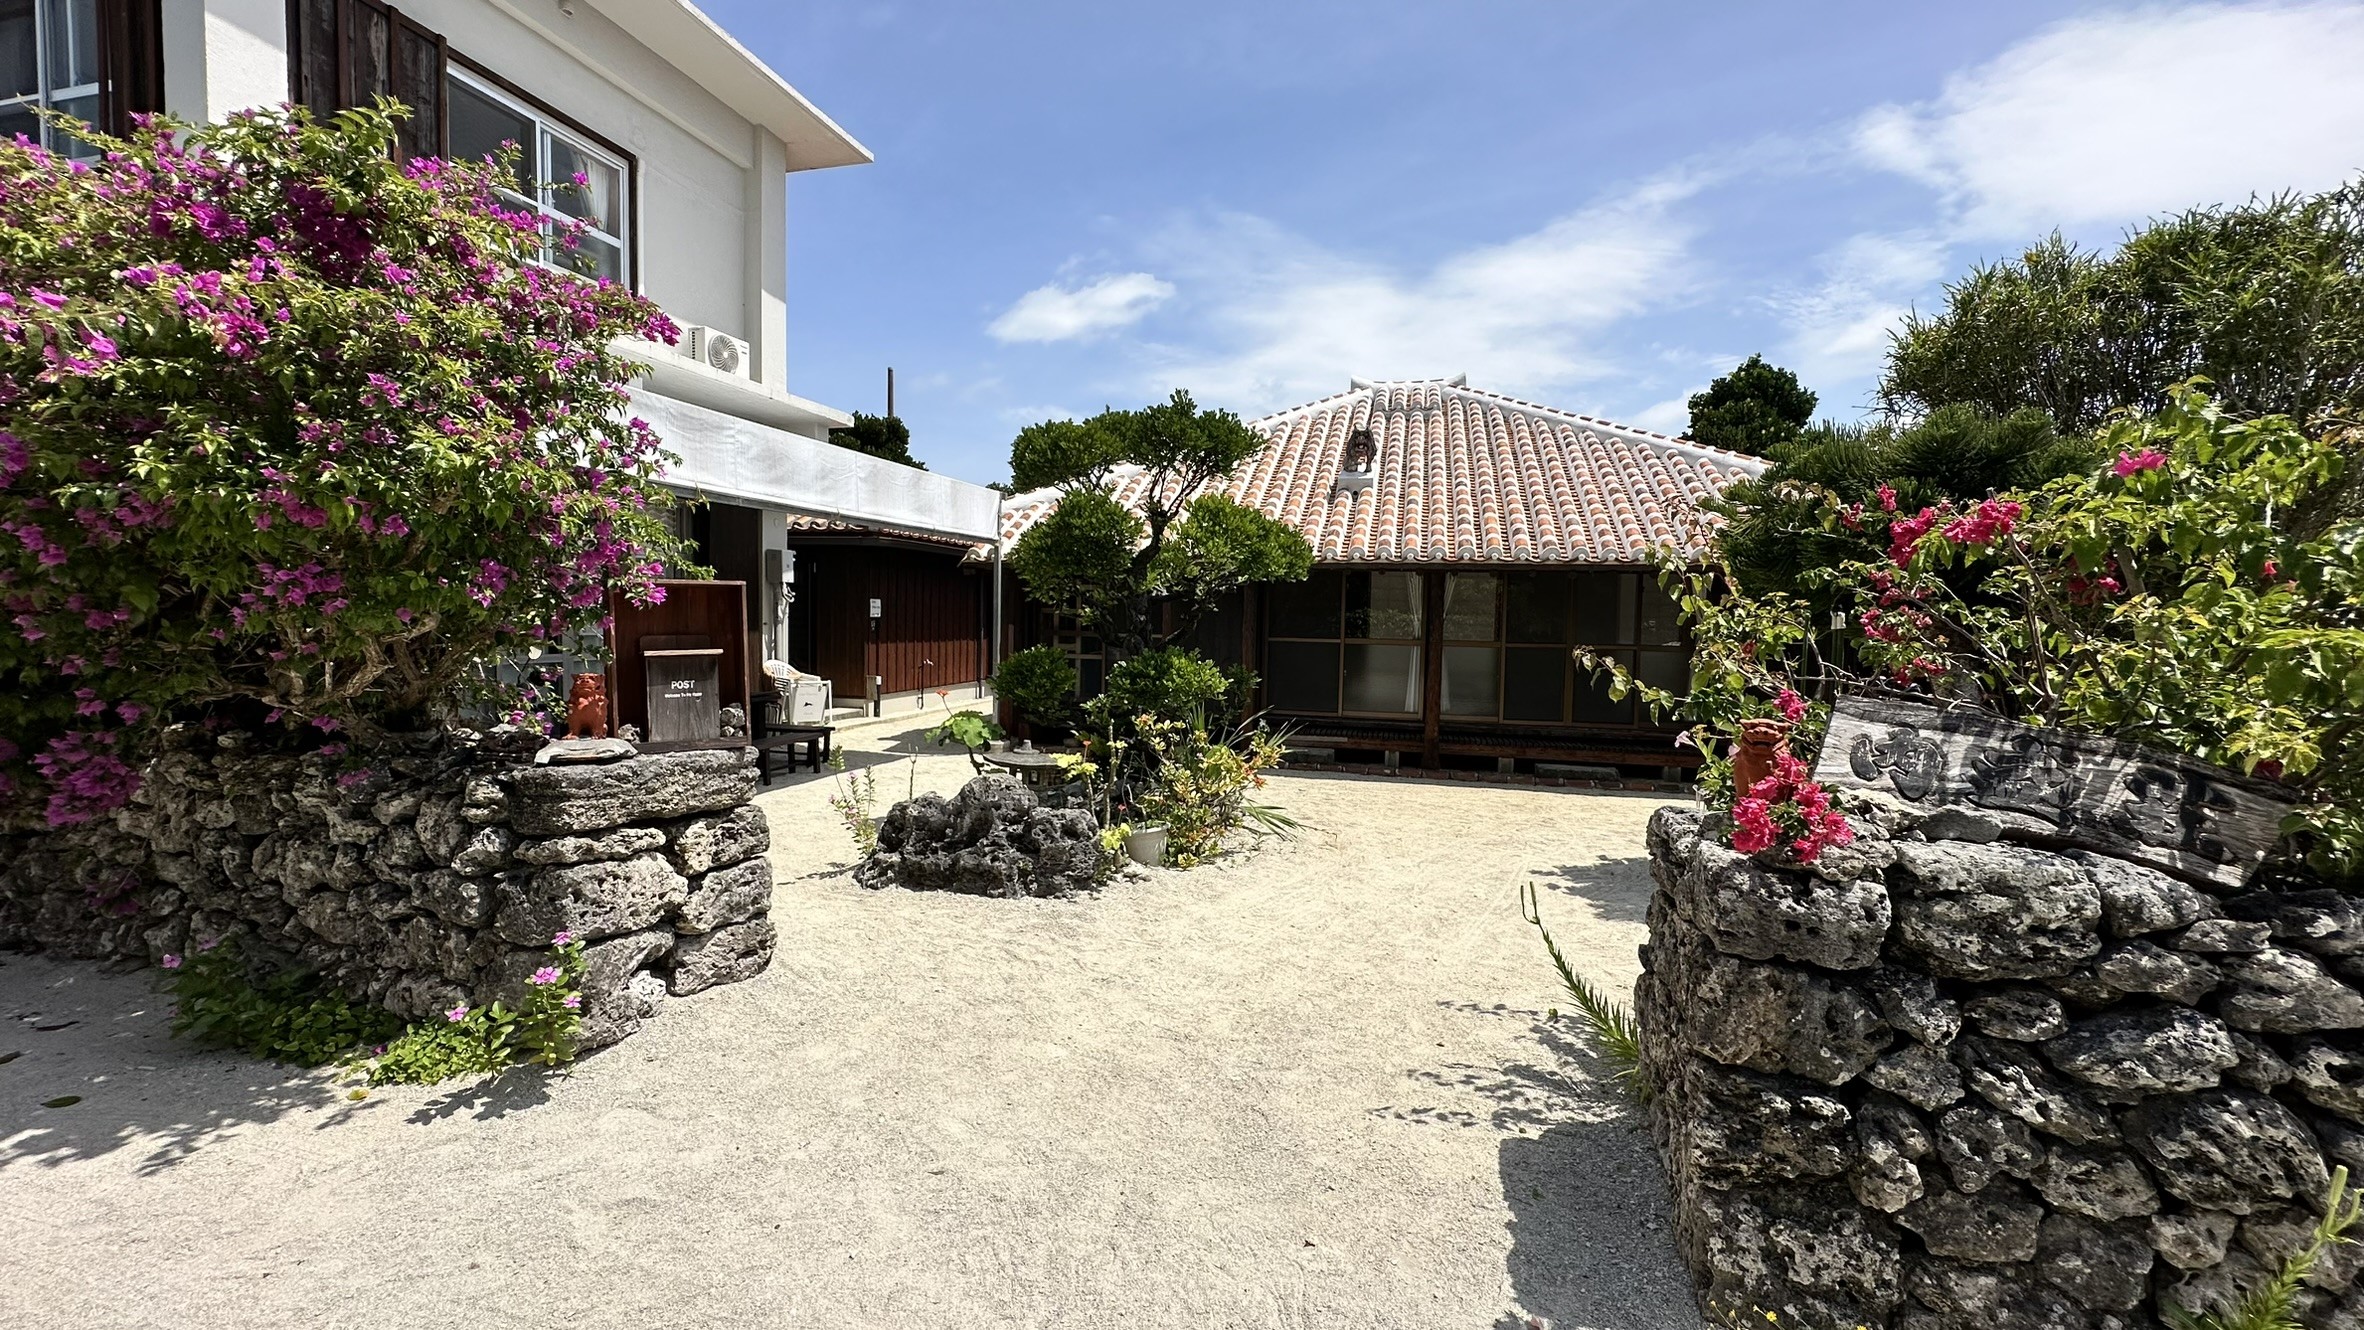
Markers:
(1311, 1087)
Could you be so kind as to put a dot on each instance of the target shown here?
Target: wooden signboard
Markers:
(2164, 809)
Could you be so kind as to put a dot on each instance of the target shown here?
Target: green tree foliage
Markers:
(1751, 409)
(1181, 546)
(1776, 539)
(1040, 682)
(879, 436)
(292, 436)
(2266, 301)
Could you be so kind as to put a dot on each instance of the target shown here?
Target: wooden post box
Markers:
(684, 693)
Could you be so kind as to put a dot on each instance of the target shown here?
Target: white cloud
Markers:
(1277, 319)
(2118, 117)
(1054, 313)
(1839, 327)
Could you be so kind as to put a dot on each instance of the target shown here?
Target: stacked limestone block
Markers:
(438, 877)
(1940, 1081)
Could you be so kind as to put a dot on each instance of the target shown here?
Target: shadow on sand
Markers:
(101, 1035)
(1619, 889)
(1590, 1242)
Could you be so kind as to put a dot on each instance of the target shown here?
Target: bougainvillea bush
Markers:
(2197, 592)
(292, 436)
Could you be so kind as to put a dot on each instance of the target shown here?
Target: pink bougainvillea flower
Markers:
(2149, 459)
(1793, 707)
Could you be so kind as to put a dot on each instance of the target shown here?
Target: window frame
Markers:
(546, 120)
(1344, 639)
(45, 96)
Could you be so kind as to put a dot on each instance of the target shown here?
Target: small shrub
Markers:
(489, 1040)
(1040, 683)
(1197, 787)
(1170, 683)
(856, 802)
(1615, 1033)
(973, 732)
(287, 1015)
(295, 1017)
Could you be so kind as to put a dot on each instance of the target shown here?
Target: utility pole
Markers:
(890, 392)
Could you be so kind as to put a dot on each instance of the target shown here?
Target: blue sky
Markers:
(1598, 206)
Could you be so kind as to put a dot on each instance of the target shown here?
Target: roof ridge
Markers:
(1372, 388)
(1705, 452)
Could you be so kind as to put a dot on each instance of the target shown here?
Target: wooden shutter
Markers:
(131, 56)
(418, 59)
(348, 52)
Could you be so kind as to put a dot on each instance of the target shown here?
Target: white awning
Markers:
(743, 461)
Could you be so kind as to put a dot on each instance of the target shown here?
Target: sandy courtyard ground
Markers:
(1312, 1087)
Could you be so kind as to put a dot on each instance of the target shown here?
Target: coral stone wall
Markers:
(438, 876)
(1945, 1081)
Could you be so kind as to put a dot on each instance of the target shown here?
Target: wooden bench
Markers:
(813, 740)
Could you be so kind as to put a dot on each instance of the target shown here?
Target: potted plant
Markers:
(1036, 690)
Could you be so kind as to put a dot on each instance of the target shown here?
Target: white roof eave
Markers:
(697, 46)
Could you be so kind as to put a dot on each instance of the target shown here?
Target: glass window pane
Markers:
(73, 44)
(1593, 704)
(1534, 684)
(1537, 607)
(588, 255)
(1471, 686)
(19, 119)
(480, 126)
(85, 109)
(1301, 676)
(1382, 678)
(597, 197)
(1657, 620)
(1383, 605)
(1670, 670)
(1604, 608)
(1305, 609)
(1471, 600)
(1088, 677)
(20, 62)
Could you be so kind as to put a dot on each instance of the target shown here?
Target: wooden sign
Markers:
(2164, 809)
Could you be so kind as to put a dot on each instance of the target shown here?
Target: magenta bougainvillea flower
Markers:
(293, 424)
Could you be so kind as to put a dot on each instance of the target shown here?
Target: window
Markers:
(1083, 649)
(560, 174)
(49, 56)
(1346, 642)
(1546, 617)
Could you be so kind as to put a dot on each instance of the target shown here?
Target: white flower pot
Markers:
(1146, 846)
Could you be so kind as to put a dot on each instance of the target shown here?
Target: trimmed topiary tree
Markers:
(291, 435)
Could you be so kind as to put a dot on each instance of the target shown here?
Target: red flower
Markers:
(2149, 459)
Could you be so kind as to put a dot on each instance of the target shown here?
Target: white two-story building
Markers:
(688, 141)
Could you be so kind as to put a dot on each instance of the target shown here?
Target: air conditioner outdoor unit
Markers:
(716, 350)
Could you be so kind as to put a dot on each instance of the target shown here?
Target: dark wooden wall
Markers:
(934, 611)
(711, 610)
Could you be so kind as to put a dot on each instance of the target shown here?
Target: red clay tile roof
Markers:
(1464, 476)
(838, 526)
